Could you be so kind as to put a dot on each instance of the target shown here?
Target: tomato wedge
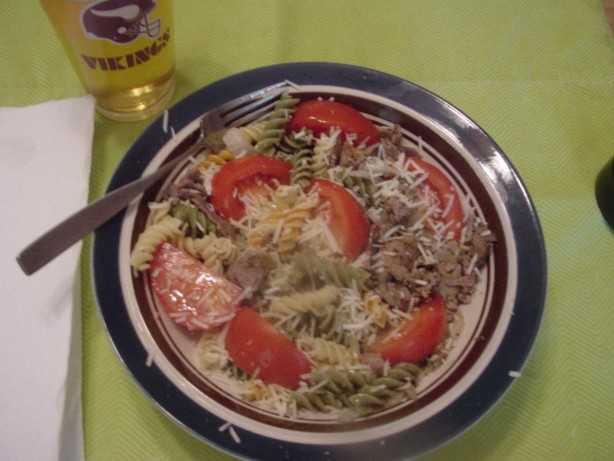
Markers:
(193, 295)
(452, 214)
(245, 175)
(348, 220)
(416, 338)
(258, 348)
(320, 116)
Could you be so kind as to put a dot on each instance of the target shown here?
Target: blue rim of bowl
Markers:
(458, 416)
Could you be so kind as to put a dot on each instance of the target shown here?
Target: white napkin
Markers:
(45, 156)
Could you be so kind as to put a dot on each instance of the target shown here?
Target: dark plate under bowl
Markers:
(501, 323)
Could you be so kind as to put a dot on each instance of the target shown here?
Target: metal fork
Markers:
(242, 110)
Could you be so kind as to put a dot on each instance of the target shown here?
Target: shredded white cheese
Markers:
(165, 122)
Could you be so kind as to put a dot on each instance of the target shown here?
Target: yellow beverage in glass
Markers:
(122, 50)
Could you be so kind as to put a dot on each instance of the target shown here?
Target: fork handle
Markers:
(76, 227)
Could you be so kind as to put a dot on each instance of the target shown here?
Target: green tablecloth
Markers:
(537, 76)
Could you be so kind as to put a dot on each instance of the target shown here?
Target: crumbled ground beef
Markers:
(250, 270)
(192, 188)
(403, 277)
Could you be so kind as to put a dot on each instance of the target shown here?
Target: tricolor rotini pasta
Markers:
(307, 254)
(279, 221)
(305, 301)
(215, 252)
(163, 230)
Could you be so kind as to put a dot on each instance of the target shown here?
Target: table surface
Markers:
(537, 76)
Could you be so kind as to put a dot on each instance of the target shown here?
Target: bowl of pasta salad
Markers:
(360, 271)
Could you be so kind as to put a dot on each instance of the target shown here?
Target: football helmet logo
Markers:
(120, 21)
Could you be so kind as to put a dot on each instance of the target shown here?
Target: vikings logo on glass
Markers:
(120, 21)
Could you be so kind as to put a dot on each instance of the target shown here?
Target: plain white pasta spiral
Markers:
(166, 229)
(253, 131)
(327, 352)
(304, 302)
(159, 210)
(215, 252)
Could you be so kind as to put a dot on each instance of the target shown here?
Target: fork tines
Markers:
(252, 112)
(253, 108)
